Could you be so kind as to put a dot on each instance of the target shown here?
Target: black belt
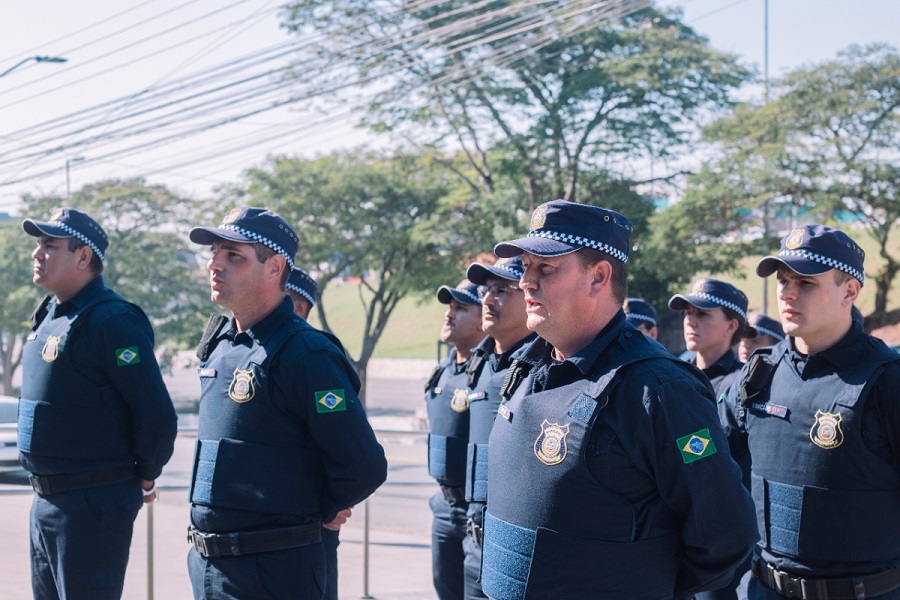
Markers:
(212, 545)
(842, 588)
(55, 484)
(454, 495)
(475, 531)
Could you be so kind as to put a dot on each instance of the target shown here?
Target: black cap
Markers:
(70, 222)
(300, 282)
(560, 227)
(465, 293)
(760, 324)
(505, 268)
(638, 310)
(248, 225)
(707, 293)
(816, 249)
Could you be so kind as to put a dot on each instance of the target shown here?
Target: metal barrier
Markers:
(148, 508)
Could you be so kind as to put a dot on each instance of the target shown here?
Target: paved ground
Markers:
(399, 566)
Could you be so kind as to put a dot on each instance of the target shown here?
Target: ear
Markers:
(733, 325)
(277, 265)
(852, 289)
(601, 273)
(85, 254)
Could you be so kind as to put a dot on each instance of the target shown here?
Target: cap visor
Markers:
(39, 228)
(679, 302)
(207, 235)
(538, 246)
(799, 265)
(478, 273)
(446, 293)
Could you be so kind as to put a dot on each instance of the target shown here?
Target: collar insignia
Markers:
(50, 351)
(550, 446)
(241, 388)
(826, 431)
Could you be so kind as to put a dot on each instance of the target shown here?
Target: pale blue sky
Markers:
(204, 33)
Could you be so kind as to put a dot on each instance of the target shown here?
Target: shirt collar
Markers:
(845, 351)
(540, 352)
(268, 325)
(727, 363)
(84, 295)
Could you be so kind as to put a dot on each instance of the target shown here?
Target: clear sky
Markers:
(117, 49)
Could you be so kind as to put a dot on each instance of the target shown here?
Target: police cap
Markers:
(70, 222)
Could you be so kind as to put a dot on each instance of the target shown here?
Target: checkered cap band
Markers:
(77, 234)
(301, 291)
(828, 262)
(262, 240)
(579, 241)
(514, 274)
(722, 302)
(474, 297)
(638, 317)
(769, 332)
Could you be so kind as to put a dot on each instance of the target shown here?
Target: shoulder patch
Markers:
(330, 401)
(127, 356)
(696, 446)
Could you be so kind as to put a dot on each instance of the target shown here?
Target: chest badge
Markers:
(826, 431)
(241, 389)
(550, 446)
(460, 400)
(50, 351)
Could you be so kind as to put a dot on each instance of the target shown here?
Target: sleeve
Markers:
(882, 416)
(699, 481)
(353, 461)
(728, 407)
(125, 351)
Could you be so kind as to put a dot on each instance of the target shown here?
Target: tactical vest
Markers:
(249, 454)
(553, 537)
(63, 412)
(484, 399)
(820, 494)
(447, 403)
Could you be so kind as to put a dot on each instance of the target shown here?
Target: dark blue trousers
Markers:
(293, 574)
(448, 529)
(330, 542)
(80, 541)
(756, 590)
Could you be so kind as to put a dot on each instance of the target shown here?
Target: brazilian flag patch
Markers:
(330, 401)
(127, 356)
(696, 446)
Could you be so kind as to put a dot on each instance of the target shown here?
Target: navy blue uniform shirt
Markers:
(635, 454)
(283, 437)
(109, 363)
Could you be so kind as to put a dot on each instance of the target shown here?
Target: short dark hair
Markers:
(842, 277)
(96, 265)
(619, 279)
(264, 253)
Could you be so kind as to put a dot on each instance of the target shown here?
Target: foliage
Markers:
(548, 89)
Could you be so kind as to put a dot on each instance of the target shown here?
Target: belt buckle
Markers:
(785, 584)
(199, 540)
(37, 485)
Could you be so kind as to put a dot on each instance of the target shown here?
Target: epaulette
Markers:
(208, 341)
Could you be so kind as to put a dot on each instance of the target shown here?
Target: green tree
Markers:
(20, 298)
(149, 260)
(824, 148)
(549, 89)
(392, 222)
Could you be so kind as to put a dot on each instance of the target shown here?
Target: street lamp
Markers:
(69, 161)
(49, 59)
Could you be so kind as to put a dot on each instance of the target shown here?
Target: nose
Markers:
(36, 252)
(528, 279)
(787, 290)
(213, 265)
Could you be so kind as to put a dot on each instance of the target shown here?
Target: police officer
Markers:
(302, 289)
(447, 403)
(503, 320)
(761, 332)
(715, 315)
(96, 424)
(283, 443)
(608, 475)
(819, 415)
(642, 315)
